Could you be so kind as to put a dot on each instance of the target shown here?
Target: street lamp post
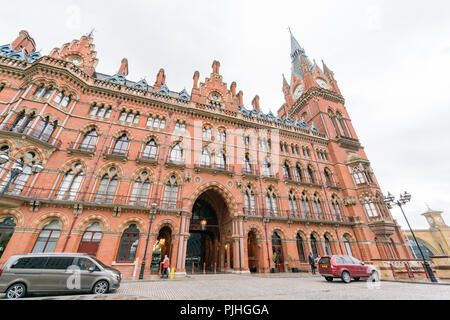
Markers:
(16, 169)
(389, 200)
(141, 273)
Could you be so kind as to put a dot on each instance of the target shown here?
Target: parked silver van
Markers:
(56, 272)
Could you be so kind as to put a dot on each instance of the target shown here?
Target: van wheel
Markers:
(16, 291)
(345, 276)
(329, 279)
(101, 287)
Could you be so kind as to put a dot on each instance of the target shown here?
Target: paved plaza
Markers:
(264, 287)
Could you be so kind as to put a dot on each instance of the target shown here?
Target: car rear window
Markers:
(324, 260)
(29, 263)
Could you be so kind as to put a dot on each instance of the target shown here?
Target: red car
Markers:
(346, 268)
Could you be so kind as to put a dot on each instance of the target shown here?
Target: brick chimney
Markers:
(123, 70)
(216, 66)
(196, 77)
(255, 102)
(24, 41)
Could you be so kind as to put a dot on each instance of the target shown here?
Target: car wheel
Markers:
(101, 287)
(356, 279)
(345, 276)
(329, 279)
(374, 276)
(16, 291)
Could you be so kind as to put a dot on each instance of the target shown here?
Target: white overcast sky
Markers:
(391, 60)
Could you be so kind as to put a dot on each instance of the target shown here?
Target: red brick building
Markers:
(228, 186)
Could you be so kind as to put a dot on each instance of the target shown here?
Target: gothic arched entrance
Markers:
(204, 246)
(252, 251)
(162, 247)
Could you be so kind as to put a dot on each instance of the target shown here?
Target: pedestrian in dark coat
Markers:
(312, 263)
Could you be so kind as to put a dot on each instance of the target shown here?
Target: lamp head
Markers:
(4, 158)
(36, 168)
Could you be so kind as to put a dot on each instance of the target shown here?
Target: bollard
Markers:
(192, 268)
(159, 272)
(215, 265)
(225, 267)
(204, 267)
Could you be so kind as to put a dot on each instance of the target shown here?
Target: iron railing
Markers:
(33, 133)
(98, 198)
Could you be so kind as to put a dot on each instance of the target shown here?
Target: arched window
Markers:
(337, 212)
(22, 179)
(176, 154)
(310, 175)
(301, 248)
(277, 251)
(128, 244)
(47, 93)
(65, 101)
(45, 129)
(293, 204)
(347, 246)
(328, 178)
(46, 241)
(121, 145)
(68, 189)
(317, 207)
(39, 91)
(327, 246)
(59, 97)
(89, 141)
(247, 165)
(206, 133)
(141, 190)
(304, 205)
(171, 194)
(150, 150)
(314, 248)
(370, 207)
(267, 168)
(22, 122)
(107, 187)
(221, 162)
(298, 173)
(358, 176)
(206, 158)
(6, 231)
(286, 171)
(91, 239)
(249, 200)
(271, 202)
(123, 115)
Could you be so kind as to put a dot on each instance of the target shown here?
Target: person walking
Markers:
(312, 263)
(165, 264)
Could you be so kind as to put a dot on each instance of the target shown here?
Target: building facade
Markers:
(133, 170)
(434, 241)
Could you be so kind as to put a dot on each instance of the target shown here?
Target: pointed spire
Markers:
(325, 68)
(296, 49)
(285, 83)
(91, 33)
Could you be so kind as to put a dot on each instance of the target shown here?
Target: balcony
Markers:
(333, 185)
(382, 226)
(116, 154)
(89, 199)
(269, 176)
(175, 163)
(214, 168)
(250, 173)
(10, 130)
(147, 158)
(298, 216)
(303, 181)
(88, 150)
